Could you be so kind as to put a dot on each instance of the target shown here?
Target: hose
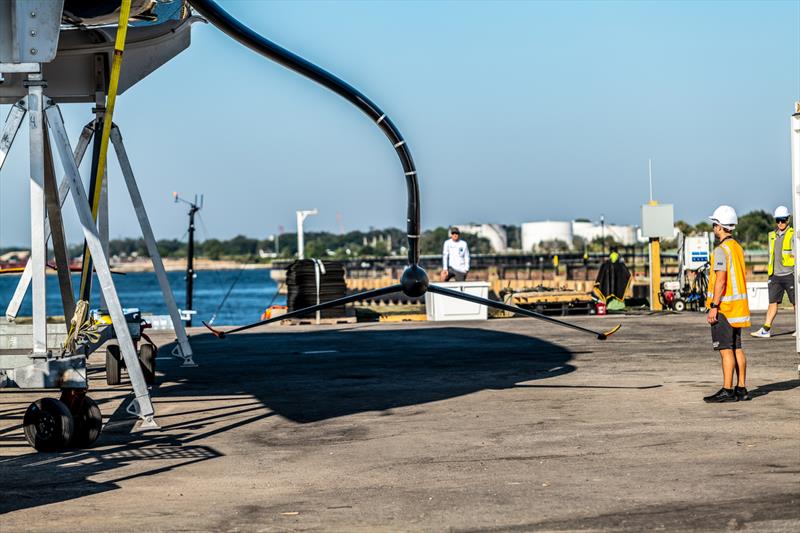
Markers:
(244, 35)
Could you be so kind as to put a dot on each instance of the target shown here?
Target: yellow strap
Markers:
(116, 67)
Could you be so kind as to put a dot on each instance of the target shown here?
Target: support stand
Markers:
(142, 405)
(183, 349)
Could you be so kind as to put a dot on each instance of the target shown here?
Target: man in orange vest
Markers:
(728, 310)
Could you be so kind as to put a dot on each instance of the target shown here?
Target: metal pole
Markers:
(190, 263)
(795, 143)
(603, 234)
(38, 241)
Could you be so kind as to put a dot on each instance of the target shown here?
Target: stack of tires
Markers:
(301, 286)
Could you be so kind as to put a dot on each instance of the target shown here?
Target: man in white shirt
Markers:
(455, 257)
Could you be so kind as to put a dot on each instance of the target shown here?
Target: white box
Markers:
(757, 296)
(658, 221)
(443, 308)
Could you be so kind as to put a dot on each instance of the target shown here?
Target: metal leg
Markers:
(184, 348)
(60, 250)
(10, 129)
(63, 190)
(142, 406)
(38, 243)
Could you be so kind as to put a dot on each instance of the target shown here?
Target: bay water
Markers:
(251, 291)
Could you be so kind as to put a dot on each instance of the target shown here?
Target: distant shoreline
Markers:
(174, 265)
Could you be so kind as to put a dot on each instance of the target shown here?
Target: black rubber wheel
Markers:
(113, 364)
(147, 360)
(88, 422)
(48, 425)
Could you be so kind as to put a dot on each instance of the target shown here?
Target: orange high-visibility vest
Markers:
(734, 302)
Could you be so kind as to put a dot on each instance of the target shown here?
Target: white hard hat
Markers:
(725, 216)
(782, 212)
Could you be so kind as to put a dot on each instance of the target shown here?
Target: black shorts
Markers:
(778, 285)
(724, 336)
(460, 276)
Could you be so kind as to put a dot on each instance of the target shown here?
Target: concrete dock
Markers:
(505, 425)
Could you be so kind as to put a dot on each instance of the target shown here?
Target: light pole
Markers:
(603, 234)
(301, 216)
(194, 207)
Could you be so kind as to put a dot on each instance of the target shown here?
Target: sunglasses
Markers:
(781, 220)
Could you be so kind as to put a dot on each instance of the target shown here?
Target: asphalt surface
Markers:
(505, 425)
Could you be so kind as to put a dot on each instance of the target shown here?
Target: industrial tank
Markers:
(534, 233)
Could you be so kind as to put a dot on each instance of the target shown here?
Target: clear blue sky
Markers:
(514, 112)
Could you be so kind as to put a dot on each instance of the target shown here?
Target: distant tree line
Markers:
(372, 243)
(751, 232)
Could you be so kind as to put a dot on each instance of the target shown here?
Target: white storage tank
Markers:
(534, 233)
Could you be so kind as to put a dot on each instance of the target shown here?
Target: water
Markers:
(248, 299)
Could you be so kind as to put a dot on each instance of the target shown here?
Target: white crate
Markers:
(443, 308)
(758, 295)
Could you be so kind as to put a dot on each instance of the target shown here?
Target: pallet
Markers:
(322, 321)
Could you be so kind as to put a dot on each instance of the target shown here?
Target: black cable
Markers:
(225, 298)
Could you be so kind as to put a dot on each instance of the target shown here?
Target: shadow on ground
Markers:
(305, 377)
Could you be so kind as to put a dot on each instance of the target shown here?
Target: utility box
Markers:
(440, 308)
(695, 252)
(658, 221)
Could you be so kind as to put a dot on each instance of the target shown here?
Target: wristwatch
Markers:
(713, 306)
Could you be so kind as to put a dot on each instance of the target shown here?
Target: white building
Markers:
(494, 233)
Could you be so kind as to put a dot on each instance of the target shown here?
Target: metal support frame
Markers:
(142, 406)
(63, 190)
(183, 349)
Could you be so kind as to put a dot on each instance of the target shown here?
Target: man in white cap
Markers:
(455, 257)
(780, 269)
(728, 311)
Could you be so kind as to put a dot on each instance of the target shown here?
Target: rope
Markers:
(81, 329)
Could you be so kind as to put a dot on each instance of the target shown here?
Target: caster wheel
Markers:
(87, 417)
(147, 360)
(113, 364)
(679, 306)
(48, 425)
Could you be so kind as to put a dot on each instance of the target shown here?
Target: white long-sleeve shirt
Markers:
(455, 255)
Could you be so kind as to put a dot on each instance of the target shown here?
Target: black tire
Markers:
(48, 425)
(88, 422)
(147, 360)
(113, 364)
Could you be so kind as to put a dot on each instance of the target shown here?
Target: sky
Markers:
(513, 111)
